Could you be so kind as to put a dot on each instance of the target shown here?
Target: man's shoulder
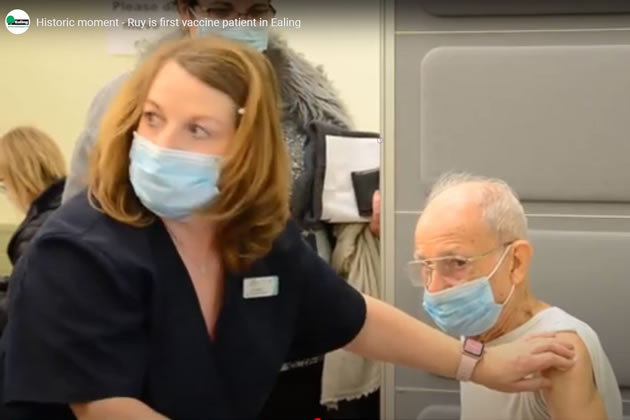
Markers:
(592, 362)
(554, 319)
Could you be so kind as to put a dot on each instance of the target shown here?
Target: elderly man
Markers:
(472, 257)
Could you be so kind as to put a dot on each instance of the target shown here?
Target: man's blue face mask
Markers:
(172, 183)
(256, 37)
(469, 309)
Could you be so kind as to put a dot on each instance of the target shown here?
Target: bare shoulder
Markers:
(583, 368)
(573, 393)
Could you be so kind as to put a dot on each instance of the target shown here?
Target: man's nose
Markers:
(436, 283)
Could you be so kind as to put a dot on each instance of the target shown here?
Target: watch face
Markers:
(473, 347)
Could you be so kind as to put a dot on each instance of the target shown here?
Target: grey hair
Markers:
(501, 207)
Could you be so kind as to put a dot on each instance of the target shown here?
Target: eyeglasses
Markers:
(452, 269)
(258, 11)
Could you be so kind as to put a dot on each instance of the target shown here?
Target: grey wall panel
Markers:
(530, 115)
(412, 16)
(411, 50)
(522, 7)
(589, 210)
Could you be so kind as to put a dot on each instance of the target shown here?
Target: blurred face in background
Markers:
(9, 194)
(255, 10)
(30, 161)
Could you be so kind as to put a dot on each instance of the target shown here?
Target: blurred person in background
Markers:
(306, 95)
(32, 176)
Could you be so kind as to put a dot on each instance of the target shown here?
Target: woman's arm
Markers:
(392, 336)
(115, 408)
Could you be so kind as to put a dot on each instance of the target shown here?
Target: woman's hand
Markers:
(516, 366)
(375, 223)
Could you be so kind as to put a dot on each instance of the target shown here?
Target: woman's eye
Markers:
(150, 116)
(198, 131)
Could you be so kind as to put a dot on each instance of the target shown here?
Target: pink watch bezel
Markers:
(473, 347)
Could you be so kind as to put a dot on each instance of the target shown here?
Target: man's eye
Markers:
(460, 262)
(258, 12)
(219, 12)
(455, 263)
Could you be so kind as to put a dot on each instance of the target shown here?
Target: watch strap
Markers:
(472, 352)
(466, 367)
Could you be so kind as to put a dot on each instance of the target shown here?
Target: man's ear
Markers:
(522, 256)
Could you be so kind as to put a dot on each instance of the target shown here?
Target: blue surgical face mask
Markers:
(254, 36)
(466, 310)
(172, 183)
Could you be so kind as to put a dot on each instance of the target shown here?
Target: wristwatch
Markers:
(472, 352)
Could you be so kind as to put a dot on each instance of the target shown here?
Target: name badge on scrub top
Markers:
(257, 287)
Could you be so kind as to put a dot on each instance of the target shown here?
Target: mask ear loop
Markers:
(495, 270)
(496, 267)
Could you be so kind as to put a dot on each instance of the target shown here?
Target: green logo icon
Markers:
(17, 21)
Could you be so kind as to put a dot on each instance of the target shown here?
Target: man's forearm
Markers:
(115, 408)
(393, 336)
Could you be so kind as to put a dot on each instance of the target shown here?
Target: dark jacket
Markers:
(40, 209)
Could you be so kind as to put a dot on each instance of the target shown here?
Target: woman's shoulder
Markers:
(78, 222)
(291, 248)
(288, 238)
(79, 242)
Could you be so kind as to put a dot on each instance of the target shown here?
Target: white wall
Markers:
(346, 42)
(49, 75)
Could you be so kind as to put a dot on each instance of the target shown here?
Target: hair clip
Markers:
(241, 111)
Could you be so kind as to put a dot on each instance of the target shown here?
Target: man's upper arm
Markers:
(573, 394)
(77, 176)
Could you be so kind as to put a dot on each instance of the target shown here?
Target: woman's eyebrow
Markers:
(155, 104)
(206, 118)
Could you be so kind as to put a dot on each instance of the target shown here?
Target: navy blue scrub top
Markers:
(101, 309)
